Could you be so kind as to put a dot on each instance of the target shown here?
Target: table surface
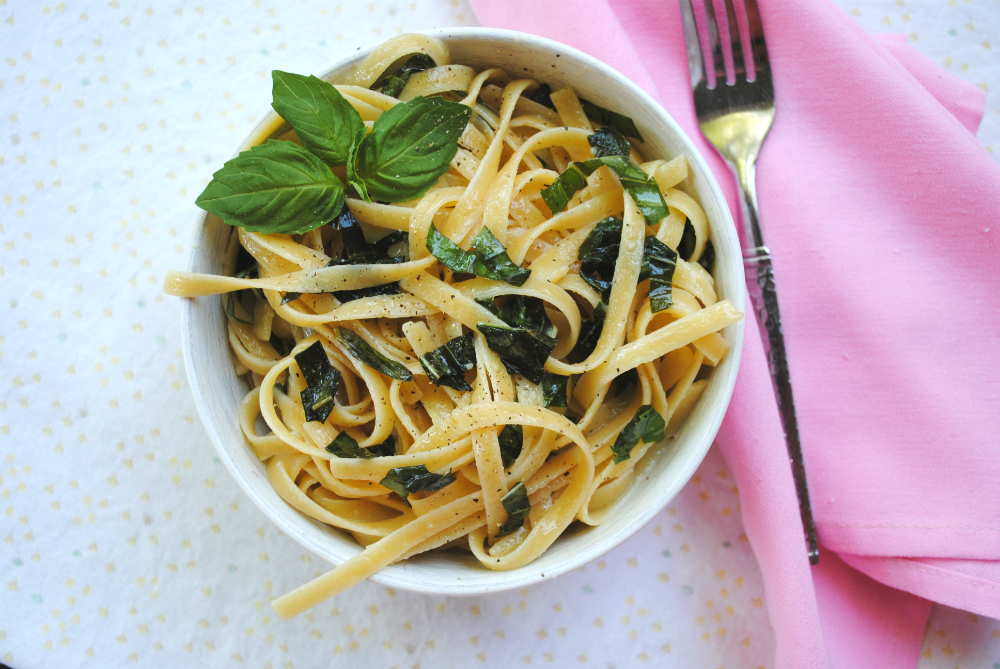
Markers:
(124, 540)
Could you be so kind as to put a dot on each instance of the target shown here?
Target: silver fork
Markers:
(736, 118)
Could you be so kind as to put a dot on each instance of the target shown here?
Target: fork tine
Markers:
(718, 60)
(739, 67)
(758, 47)
(696, 63)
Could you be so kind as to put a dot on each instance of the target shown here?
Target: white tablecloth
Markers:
(124, 540)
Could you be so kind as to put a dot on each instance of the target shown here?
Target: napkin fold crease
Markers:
(880, 209)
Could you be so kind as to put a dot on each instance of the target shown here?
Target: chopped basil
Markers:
(345, 446)
(685, 247)
(231, 307)
(619, 122)
(707, 259)
(407, 480)
(647, 425)
(554, 389)
(521, 351)
(608, 142)
(363, 351)
(447, 364)
(516, 503)
(409, 148)
(541, 96)
(511, 440)
(290, 297)
(322, 382)
(523, 347)
(373, 291)
(607, 147)
(661, 260)
(590, 332)
(598, 256)
(488, 258)
(396, 82)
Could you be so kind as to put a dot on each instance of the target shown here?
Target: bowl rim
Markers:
(396, 575)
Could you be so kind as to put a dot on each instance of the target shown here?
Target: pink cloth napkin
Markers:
(881, 211)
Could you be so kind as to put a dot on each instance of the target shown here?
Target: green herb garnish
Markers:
(277, 187)
(608, 142)
(525, 345)
(409, 148)
(647, 425)
(660, 261)
(363, 351)
(488, 258)
(447, 364)
(516, 503)
(323, 120)
(346, 446)
(396, 82)
(542, 96)
(407, 480)
(590, 332)
(322, 382)
(554, 389)
(511, 440)
(619, 122)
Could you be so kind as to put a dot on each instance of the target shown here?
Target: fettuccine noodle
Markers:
(512, 149)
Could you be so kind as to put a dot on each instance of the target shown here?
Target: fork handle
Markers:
(764, 297)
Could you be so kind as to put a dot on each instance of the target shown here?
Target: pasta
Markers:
(482, 365)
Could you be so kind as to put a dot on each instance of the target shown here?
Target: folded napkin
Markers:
(880, 209)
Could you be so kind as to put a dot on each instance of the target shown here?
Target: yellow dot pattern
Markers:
(123, 541)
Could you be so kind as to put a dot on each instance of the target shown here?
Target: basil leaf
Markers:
(619, 122)
(542, 96)
(608, 142)
(598, 255)
(590, 332)
(361, 293)
(493, 262)
(406, 480)
(517, 506)
(639, 185)
(521, 351)
(660, 261)
(345, 446)
(409, 148)
(396, 82)
(290, 297)
(647, 425)
(511, 440)
(447, 364)
(523, 311)
(707, 259)
(488, 258)
(554, 389)
(491, 304)
(323, 120)
(363, 351)
(322, 382)
(277, 187)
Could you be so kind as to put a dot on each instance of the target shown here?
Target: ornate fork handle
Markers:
(764, 297)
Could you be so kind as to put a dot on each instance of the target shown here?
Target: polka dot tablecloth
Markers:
(123, 540)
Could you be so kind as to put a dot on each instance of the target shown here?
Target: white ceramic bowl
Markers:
(217, 390)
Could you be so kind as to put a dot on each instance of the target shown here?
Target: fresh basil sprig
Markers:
(409, 148)
(488, 257)
(277, 187)
(281, 187)
(322, 382)
(364, 352)
(323, 120)
(516, 503)
(407, 480)
(647, 424)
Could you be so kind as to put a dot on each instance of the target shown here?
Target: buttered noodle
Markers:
(511, 150)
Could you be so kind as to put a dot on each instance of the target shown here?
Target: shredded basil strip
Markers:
(619, 122)
(554, 389)
(396, 82)
(707, 259)
(290, 297)
(521, 351)
(322, 382)
(516, 503)
(447, 364)
(364, 352)
(590, 332)
(608, 142)
(661, 261)
(488, 257)
(647, 425)
(542, 96)
(511, 440)
(407, 480)
(345, 446)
